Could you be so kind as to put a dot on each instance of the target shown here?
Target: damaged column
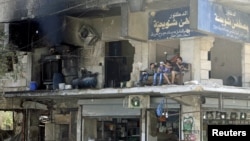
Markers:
(191, 119)
(145, 53)
(195, 51)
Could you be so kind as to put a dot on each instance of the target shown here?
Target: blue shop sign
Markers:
(223, 21)
(169, 24)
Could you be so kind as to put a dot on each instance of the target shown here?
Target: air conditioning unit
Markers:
(138, 101)
(88, 35)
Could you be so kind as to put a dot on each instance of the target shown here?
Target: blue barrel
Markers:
(33, 85)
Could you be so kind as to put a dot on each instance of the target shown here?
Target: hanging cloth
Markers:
(160, 108)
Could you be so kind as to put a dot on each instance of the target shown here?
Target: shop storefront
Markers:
(115, 120)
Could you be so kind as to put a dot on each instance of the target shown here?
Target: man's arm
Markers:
(184, 67)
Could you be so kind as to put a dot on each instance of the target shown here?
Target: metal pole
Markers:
(220, 102)
(28, 126)
(146, 125)
(81, 125)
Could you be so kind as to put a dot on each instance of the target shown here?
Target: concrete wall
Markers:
(90, 129)
(226, 59)
(93, 60)
(92, 57)
(18, 122)
(108, 29)
(192, 51)
(191, 119)
(36, 67)
(152, 124)
(168, 46)
(1, 30)
(144, 54)
(138, 25)
(34, 127)
(19, 78)
(71, 29)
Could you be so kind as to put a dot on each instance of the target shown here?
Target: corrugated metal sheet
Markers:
(117, 107)
(107, 107)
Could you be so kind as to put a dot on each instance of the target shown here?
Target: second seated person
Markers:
(146, 73)
(167, 71)
(160, 72)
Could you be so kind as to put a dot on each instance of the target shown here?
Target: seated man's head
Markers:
(162, 63)
(152, 65)
(179, 60)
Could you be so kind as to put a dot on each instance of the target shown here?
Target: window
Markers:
(6, 120)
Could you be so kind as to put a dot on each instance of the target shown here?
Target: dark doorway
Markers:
(24, 34)
(118, 62)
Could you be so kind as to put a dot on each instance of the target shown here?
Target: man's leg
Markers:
(146, 76)
(155, 79)
(173, 73)
(166, 77)
(160, 78)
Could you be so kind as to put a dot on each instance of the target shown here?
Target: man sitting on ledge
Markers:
(178, 68)
(146, 73)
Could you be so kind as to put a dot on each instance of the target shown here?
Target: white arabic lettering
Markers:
(228, 22)
(177, 20)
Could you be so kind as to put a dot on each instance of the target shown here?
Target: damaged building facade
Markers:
(72, 68)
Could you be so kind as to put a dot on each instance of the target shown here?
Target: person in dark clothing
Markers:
(178, 67)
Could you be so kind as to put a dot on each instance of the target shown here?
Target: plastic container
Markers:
(61, 86)
(33, 86)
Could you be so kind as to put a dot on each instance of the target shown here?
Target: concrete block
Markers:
(204, 55)
(205, 65)
(212, 82)
(204, 74)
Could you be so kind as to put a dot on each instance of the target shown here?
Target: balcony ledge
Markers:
(153, 91)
